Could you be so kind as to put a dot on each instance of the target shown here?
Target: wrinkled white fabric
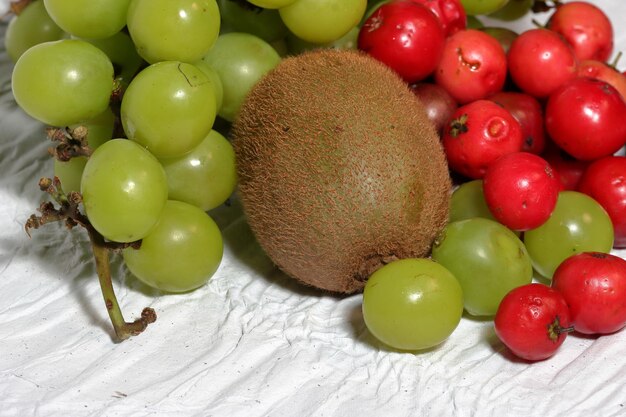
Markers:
(252, 342)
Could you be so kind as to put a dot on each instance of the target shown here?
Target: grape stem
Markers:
(69, 212)
(17, 6)
(72, 142)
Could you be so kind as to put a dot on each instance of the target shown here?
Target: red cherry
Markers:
(528, 112)
(594, 287)
(540, 61)
(479, 133)
(605, 181)
(586, 27)
(601, 71)
(406, 36)
(585, 117)
(532, 321)
(472, 66)
(521, 190)
(451, 14)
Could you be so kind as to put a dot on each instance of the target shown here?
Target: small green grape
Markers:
(206, 176)
(322, 21)
(122, 53)
(63, 82)
(181, 253)
(487, 259)
(240, 59)
(95, 19)
(479, 7)
(412, 304)
(169, 108)
(577, 224)
(124, 190)
(241, 17)
(166, 30)
(468, 201)
(31, 27)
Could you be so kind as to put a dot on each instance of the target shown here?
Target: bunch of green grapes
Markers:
(116, 70)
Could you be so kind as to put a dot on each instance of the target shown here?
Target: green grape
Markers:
(215, 79)
(169, 108)
(89, 18)
(474, 23)
(240, 59)
(166, 30)
(468, 201)
(412, 304)
(99, 130)
(181, 253)
(513, 10)
(206, 176)
(504, 36)
(487, 259)
(124, 190)
(476, 7)
(122, 53)
(322, 21)
(31, 27)
(70, 172)
(577, 224)
(244, 17)
(272, 4)
(296, 45)
(63, 82)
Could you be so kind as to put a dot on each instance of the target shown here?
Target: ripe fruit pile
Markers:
(530, 132)
(135, 92)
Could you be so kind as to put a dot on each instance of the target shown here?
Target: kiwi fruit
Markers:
(340, 171)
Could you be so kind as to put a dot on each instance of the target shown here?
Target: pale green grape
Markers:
(264, 23)
(124, 190)
(577, 224)
(322, 21)
(412, 304)
(296, 45)
(63, 82)
(477, 7)
(468, 201)
(166, 30)
(181, 253)
(70, 172)
(272, 4)
(122, 53)
(206, 176)
(89, 18)
(31, 27)
(487, 259)
(513, 10)
(99, 130)
(169, 108)
(240, 59)
(215, 79)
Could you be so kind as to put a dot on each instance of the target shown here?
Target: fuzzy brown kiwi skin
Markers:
(340, 171)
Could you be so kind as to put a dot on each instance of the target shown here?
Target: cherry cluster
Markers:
(530, 115)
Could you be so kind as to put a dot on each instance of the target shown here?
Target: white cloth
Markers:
(252, 342)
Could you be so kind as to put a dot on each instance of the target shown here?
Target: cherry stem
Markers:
(560, 330)
(616, 60)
